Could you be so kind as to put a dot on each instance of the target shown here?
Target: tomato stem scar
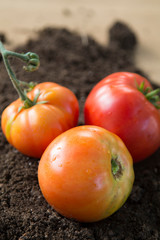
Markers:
(116, 167)
(32, 61)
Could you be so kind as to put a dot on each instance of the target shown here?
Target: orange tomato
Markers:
(31, 130)
(86, 173)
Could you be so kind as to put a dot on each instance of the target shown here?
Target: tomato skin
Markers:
(75, 174)
(32, 129)
(116, 104)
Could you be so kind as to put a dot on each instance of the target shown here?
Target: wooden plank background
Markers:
(21, 19)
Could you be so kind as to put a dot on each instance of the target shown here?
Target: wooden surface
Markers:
(21, 19)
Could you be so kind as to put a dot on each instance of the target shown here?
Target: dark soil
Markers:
(24, 214)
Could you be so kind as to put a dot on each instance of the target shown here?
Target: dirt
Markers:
(78, 63)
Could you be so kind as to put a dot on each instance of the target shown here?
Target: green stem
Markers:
(32, 61)
(151, 95)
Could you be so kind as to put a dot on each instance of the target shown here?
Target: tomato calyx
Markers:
(116, 167)
(151, 95)
(28, 104)
(32, 64)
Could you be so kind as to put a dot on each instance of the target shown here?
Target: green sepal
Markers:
(42, 102)
(151, 95)
(28, 103)
(27, 86)
(20, 109)
(36, 97)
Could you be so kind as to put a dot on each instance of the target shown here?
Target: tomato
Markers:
(30, 130)
(86, 173)
(125, 104)
(37, 117)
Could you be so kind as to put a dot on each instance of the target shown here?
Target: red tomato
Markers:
(86, 173)
(117, 104)
(32, 129)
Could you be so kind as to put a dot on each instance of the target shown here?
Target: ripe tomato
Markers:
(86, 173)
(124, 104)
(31, 130)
